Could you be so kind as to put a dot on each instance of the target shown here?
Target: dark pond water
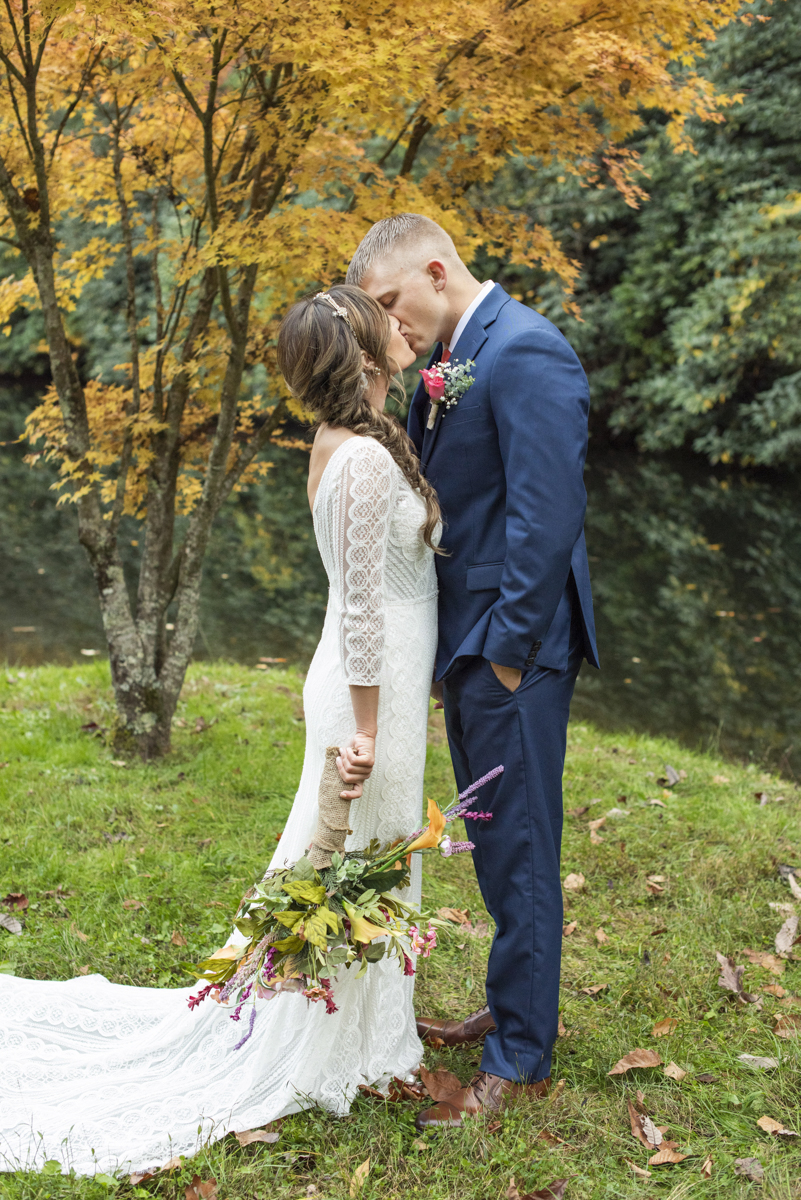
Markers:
(697, 583)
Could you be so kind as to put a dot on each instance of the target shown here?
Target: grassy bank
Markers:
(123, 864)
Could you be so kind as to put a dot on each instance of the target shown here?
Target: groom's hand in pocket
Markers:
(509, 676)
(355, 763)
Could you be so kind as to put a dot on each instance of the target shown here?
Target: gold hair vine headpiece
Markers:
(338, 308)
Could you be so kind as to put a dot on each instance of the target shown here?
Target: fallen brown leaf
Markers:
(459, 916)
(635, 1120)
(653, 1132)
(655, 889)
(635, 1058)
(419, 1144)
(664, 1156)
(201, 1189)
(594, 989)
(439, 1084)
(248, 1136)
(759, 1064)
(574, 882)
(372, 1092)
(706, 1077)
(706, 1167)
(597, 823)
(139, 1177)
(561, 1031)
(795, 887)
(83, 970)
(173, 1164)
(177, 938)
(774, 989)
(664, 1027)
(76, 931)
(554, 1190)
(787, 1025)
(638, 1171)
(777, 1127)
(657, 878)
(674, 1071)
(786, 936)
(132, 904)
(731, 978)
(359, 1177)
(720, 779)
(578, 812)
(9, 923)
(399, 1090)
(761, 958)
(601, 936)
(568, 929)
(15, 900)
(750, 1167)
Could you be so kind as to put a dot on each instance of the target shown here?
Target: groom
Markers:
(515, 617)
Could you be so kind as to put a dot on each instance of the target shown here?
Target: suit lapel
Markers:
(472, 339)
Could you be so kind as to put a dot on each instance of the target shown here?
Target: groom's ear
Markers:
(437, 273)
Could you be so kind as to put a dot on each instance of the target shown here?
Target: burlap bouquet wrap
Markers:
(333, 821)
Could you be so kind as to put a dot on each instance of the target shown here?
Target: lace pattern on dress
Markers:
(114, 1076)
(360, 491)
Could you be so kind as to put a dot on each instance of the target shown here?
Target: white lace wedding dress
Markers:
(103, 1077)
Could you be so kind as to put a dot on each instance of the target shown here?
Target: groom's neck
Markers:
(460, 294)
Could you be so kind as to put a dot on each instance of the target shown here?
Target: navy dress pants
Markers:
(517, 853)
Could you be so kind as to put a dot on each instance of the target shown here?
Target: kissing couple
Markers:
(455, 553)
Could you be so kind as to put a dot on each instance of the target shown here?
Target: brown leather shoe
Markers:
(457, 1033)
(484, 1093)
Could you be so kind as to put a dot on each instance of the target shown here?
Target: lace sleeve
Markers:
(368, 484)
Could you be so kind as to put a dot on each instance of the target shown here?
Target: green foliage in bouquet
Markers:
(303, 925)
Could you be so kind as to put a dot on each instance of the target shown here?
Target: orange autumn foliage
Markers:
(228, 158)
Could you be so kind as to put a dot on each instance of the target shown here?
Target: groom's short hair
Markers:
(397, 233)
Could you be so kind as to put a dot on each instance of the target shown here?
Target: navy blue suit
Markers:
(514, 589)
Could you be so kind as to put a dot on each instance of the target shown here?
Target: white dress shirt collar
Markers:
(486, 288)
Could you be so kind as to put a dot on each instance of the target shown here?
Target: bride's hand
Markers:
(356, 762)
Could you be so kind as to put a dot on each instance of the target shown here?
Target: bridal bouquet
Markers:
(333, 909)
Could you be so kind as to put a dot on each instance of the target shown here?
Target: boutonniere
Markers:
(446, 383)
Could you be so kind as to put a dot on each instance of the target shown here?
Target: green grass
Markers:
(183, 838)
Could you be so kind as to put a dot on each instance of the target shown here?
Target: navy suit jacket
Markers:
(507, 463)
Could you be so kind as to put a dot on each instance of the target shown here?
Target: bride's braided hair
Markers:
(320, 357)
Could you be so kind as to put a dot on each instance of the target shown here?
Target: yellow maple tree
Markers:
(230, 158)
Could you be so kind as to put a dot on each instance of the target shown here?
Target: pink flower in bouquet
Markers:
(408, 966)
(434, 381)
(422, 943)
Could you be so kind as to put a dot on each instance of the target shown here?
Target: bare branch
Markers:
(421, 128)
(17, 42)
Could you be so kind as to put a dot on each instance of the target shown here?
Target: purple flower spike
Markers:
(245, 994)
(454, 847)
(476, 816)
(240, 1044)
(493, 774)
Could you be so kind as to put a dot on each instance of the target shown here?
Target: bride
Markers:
(104, 1077)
